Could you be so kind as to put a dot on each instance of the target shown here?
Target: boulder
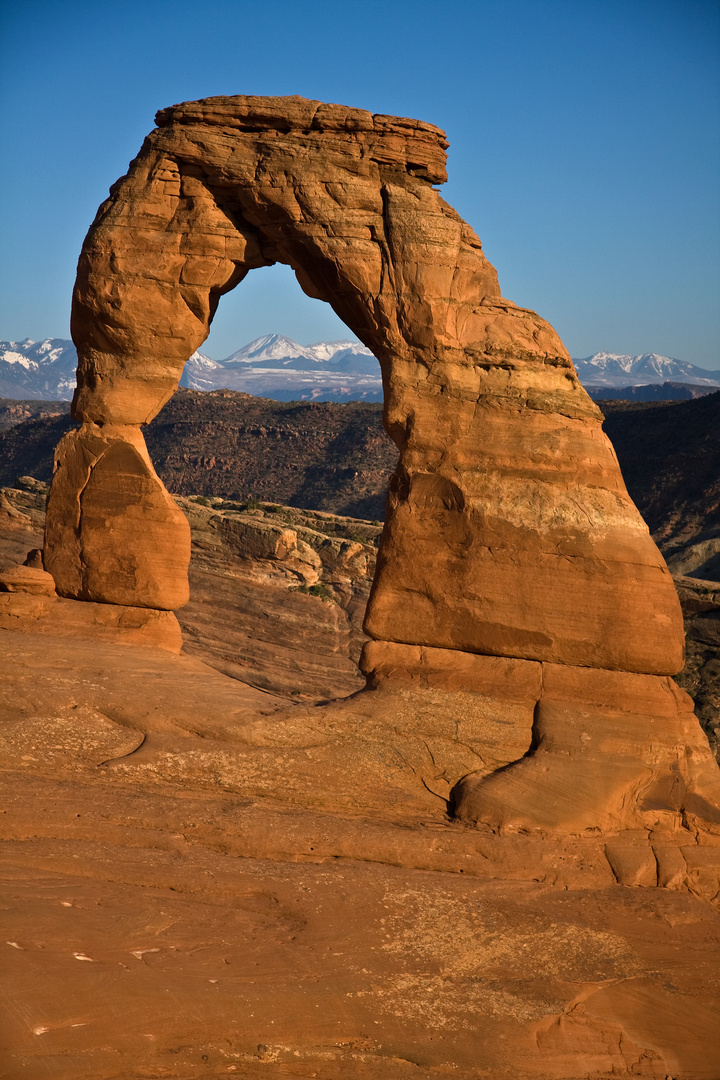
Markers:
(27, 579)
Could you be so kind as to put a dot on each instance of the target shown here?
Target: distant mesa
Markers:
(274, 366)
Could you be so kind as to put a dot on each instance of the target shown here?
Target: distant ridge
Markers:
(337, 457)
(667, 391)
(274, 366)
(645, 369)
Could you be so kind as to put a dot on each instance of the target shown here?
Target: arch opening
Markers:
(269, 339)
(271, 301)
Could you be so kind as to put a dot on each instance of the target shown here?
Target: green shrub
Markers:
(321, 591)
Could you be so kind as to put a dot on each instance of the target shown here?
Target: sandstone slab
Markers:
(49, 614)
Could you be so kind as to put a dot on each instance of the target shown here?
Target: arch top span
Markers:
(419, 146)
(344, 197)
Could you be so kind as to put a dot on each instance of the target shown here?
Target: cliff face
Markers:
(319, 456)
(278, 596)
(670, 457)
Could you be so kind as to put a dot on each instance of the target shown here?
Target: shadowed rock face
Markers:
(509, 530)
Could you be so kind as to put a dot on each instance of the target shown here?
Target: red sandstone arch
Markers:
(509, 531)
(507, 504)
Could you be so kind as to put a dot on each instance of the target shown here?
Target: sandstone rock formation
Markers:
(509, 530)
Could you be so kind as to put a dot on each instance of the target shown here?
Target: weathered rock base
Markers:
(28, 601)
(113, 534)
(601, 750)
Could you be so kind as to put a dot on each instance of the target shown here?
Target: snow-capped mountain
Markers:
(271, 366)
(38, 370)
(647, 369)
(276, 367)
(201, 373)
(276, 351)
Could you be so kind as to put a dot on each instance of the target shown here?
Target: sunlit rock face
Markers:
(509, 530)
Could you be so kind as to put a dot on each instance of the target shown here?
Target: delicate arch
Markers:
(507, 505)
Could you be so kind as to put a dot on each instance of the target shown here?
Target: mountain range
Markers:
(38, 370)
(647, 369)
(276, 367)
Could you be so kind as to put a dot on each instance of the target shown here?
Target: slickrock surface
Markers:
(196, 886)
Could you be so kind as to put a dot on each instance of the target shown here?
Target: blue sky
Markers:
(584, 144)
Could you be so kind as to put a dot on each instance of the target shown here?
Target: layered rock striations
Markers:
(509, 532)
